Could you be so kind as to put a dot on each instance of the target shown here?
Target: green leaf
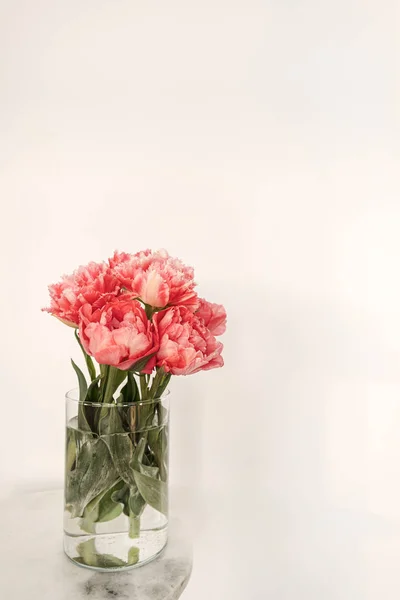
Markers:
(122, 496)
(121, 450)
(108, 508)
(92, 394)
(108, 561)
(154, 491)
(103, 419)
(110, 422)
(139, 451)
(83, 423)
(130, 391)
(94, 473)
(70, 453)
(119, 445)
(145, 415)
(100, 508)
(140, 364)
(133, 502)
(163, 386)
(80, 436)
(158, 442)
(149, 471)
(136, 502)
(88, 359)
(81, 381)
(88, 411)
(88, 522)
(157, 379)
(136, 505)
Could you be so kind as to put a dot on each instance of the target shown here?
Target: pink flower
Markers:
(118, 334)
(186, 345)
(93, 284)
(118, 258)
(213, 316)
(156, 278)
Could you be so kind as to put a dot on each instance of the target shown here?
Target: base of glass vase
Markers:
(115, 551)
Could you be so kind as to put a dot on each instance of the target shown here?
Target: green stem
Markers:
(104, 370)
(163, 385)
(143, 386)
(159, 376)
(114, 379)
(88, 359)
(149, 310)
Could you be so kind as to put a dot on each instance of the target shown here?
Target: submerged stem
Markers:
(134, 526)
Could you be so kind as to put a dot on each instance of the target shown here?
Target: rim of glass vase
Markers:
(75, 391)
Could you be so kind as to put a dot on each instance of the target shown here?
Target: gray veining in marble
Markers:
(33, 564)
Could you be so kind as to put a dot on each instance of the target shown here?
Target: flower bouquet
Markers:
(138, 320)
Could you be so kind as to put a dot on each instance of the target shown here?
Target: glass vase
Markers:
(116, 482)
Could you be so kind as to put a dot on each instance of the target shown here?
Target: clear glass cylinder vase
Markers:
(116, 482)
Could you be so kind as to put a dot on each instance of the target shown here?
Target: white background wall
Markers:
(259, 142)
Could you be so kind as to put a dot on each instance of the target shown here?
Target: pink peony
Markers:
(186, 345)
(156, 278)
(118, 258)
(118, 334)
(213, 316)
(93, 284)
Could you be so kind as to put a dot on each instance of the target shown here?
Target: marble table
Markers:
(33, 564)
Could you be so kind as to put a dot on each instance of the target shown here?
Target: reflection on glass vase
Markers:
(116, 482)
